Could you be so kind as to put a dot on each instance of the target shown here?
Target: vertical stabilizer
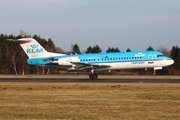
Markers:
(33, 49)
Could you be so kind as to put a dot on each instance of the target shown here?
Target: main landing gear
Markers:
(93, 75)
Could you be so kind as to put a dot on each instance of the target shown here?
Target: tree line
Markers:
(13, 59)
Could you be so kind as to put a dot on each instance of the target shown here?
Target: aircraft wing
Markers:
(84, 66)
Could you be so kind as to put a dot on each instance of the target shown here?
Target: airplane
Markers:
(93, 63)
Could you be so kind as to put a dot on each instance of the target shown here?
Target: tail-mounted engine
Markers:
(66, 60)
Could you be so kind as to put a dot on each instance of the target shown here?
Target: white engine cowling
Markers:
(67, 60)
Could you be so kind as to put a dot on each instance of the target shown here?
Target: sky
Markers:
(134, 24)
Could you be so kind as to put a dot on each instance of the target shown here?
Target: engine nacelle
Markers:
(67, 60)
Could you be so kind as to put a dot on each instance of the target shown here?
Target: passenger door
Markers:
(150, 59)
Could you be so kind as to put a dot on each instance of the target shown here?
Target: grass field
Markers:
(94, 101)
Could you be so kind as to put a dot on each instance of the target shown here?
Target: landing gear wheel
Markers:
(93, 76)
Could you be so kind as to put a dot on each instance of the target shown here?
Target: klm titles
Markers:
(34, 49)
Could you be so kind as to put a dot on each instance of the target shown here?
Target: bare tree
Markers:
(14, 62)
(164, 50)
(59, 50)
(22, 34)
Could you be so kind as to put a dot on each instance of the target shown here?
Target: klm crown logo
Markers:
(139, 54)
(34, 46)
(34, 49)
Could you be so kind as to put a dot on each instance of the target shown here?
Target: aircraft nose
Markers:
(171, 61)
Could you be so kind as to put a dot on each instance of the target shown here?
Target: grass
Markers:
(99, 101)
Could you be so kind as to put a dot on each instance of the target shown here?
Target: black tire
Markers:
(93, 76)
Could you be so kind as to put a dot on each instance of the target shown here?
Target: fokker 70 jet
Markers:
(93, 63)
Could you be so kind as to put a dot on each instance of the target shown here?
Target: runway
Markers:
(109, 80)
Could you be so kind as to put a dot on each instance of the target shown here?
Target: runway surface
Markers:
(88, 80)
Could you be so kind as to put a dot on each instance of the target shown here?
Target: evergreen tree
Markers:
(117, 49)
(112, 49)
(150, 48)
(128, 50)
(50, 46)
(89, 50)
(97, 49)
(108, 50)
(75, 49)
(175, 54)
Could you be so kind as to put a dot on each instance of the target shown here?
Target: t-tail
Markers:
(33, 49)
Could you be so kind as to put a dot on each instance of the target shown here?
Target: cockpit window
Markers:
(160, 55)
